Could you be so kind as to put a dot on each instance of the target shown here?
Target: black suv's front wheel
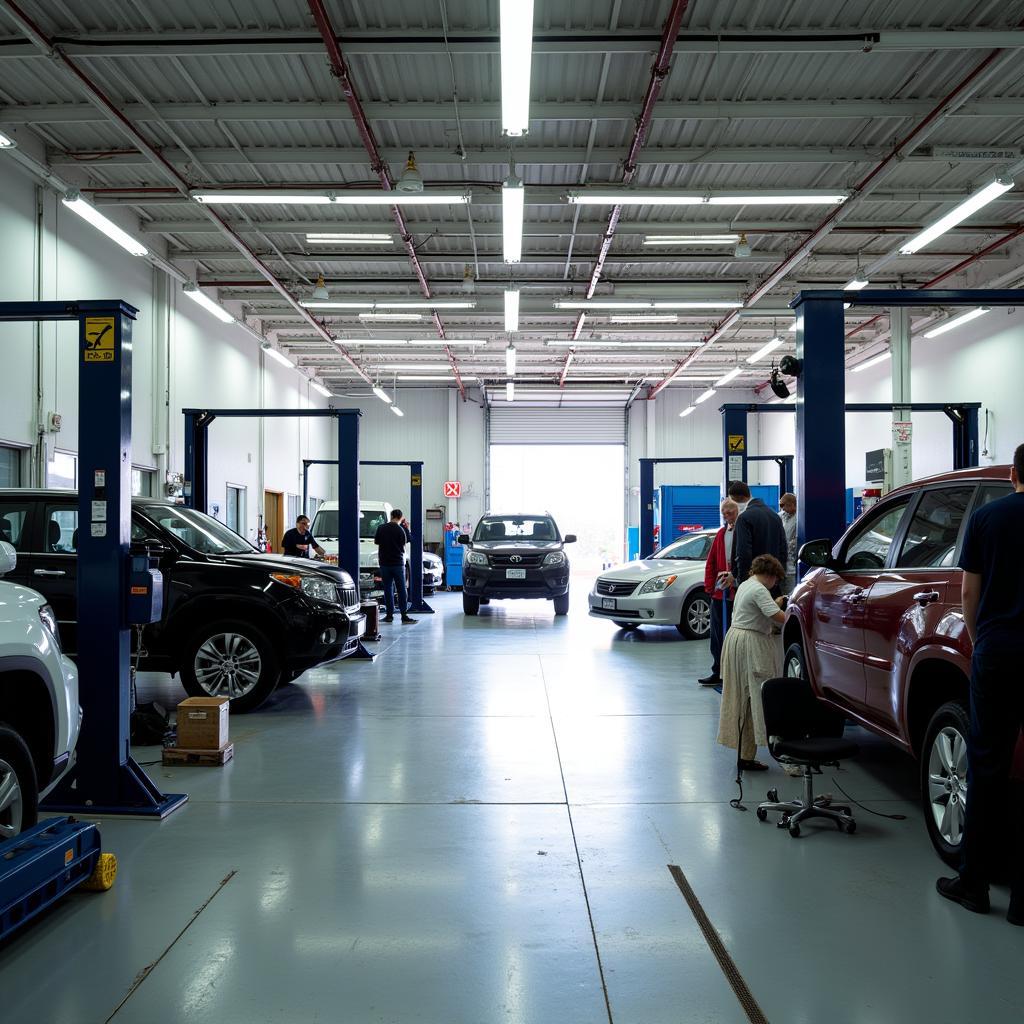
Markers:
(230, 659)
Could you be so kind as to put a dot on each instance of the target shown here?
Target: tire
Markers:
(629, 626)
(256, 668)
(695, 618)
(944, 779)
(470, 605)
(794, 665)
(19, 791)
(562, 604)
(484, 600)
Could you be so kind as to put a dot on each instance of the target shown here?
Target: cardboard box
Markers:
(203, 723)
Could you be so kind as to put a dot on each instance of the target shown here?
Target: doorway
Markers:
(581, 485)
(273, 518)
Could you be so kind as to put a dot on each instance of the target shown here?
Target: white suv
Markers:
(39, 712)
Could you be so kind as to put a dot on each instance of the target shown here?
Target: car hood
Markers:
(647, 567)
(513, 547)
(282, 563)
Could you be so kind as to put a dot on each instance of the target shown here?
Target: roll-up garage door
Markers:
(525, 425)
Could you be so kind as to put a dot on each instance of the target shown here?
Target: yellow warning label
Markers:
(99, 339)
(737, 443)
(69, 855)
(417, 481)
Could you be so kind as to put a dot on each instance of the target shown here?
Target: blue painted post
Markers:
(348, 492)
(820, 418)
(646, 507)
(734, 444)
(305, 489)
(417, 604)
(192, 458)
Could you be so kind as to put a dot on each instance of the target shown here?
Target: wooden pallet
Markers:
(205, 758)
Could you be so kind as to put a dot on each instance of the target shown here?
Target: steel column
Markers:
(899, 345)
(965, 435)
(646, 507)
(734, 445)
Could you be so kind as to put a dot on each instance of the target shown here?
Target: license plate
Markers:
(608, 602)
(515, 574)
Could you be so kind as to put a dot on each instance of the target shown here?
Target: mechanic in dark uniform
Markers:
(299, 539)
(391, 539)
(993, 603)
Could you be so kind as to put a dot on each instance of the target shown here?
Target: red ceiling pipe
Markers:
(340, 71)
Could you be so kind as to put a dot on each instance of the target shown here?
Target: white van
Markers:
(372, 514)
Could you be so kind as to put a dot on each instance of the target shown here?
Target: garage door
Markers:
(557, 426)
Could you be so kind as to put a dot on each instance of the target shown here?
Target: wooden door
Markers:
(273, 518)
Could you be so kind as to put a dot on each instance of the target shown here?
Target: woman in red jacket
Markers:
(718, 562)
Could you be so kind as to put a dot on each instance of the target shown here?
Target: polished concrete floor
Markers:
(475, 828)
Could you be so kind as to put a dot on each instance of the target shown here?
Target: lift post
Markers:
(416, 602)
(106, 779)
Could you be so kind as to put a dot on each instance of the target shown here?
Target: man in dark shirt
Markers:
(391, 539)
(758, 531)
(992, 559)
(298, 540)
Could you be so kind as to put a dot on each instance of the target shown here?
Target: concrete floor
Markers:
(476, 828)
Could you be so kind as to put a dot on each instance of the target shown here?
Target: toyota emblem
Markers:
(516, 558)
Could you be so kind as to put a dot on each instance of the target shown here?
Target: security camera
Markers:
(791, 366)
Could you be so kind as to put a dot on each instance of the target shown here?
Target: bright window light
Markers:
(352, 238)
(316, 386)
(346, 197)
(516, 20)
(691, 240)
(382, 395)
(729, 377)
(513, 197)
(512, 309)
(510, 392)
(688, 410)
(972, 204)
(390, 316)
(875, 361)
(856, 284)
(767, 350)
(963, 318)
(278, 356)
(704, 396)
(510, 360)
(208, 304)
(88, 212)
(396, 410)
(5, 141)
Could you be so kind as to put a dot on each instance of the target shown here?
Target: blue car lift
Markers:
(197, 456)
(785, 463)
(105, 780)
(416, 602)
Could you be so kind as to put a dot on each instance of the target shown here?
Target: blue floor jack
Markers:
(43, 863)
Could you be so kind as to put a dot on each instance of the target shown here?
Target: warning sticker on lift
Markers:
(417, 480)
(737, 443)
(99, 339)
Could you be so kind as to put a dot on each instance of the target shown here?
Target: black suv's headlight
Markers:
(476, 558)
(555, 558)
(316, 587)
(49, 621)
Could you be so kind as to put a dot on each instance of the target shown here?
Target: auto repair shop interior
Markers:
(373, 380)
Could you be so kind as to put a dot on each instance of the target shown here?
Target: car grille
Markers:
(348, 596)
(517, 561)
(616, 588)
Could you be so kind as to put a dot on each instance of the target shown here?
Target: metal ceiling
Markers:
(796, 94)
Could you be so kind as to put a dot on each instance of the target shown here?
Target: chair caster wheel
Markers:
(773, 795)
(794, 831)
(762, 814)
(851, 827)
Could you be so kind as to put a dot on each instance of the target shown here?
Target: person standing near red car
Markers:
(993, 602)
(719, 559)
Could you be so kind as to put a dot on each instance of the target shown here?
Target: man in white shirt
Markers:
(787, 512)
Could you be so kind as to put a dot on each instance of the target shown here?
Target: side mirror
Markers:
(817, 553)
(8, 558)
(150, 548)
(464, 538)
(569, 538)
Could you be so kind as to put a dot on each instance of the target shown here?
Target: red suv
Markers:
(877, 628)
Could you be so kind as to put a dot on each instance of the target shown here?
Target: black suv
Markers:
(515, 556)
(235, 622)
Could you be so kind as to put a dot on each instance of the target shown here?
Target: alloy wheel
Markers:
(11, 802)
(947, 783)
(228, 665)
(698, 617)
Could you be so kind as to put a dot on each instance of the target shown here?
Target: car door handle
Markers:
(924, 597)
(48, 572)
(857, 596)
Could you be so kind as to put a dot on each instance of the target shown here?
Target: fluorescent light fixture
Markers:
(644, 318)
(88, 212)
(510, 392)
(382, 394)
(729, 377)
(688, 410)
(433, 377)
(510, 360)
(441, 342)
(331, 304)
(691, 240)
(516, 21)
(767, 350)
(345, 197)
(414, 367)
(347, 238)
(316, 386)
(704, 396)
(5, 141)
(396, 410)
(875, 361)
(963, 318)
(385, 304)
(513, 197)
(624, 343)
(208, 304)
(512, 309)
(669, 197)
(972, 204)
(592, 304)
(856, 284)
(390, 316)
(278, 356)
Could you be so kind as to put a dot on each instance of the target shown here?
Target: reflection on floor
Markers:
(476, 828)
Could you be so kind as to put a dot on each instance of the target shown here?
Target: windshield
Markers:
(516, 528)
(325, 525)
(197, 530)
(692, 549)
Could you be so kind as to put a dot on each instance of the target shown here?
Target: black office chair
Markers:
(802, 731)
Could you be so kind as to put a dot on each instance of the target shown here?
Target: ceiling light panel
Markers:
(345, 197)
(516, 34)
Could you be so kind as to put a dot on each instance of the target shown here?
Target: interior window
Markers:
(869, 546)
(992, 492)
(13, 517)
(61, 536)
(933, 532)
